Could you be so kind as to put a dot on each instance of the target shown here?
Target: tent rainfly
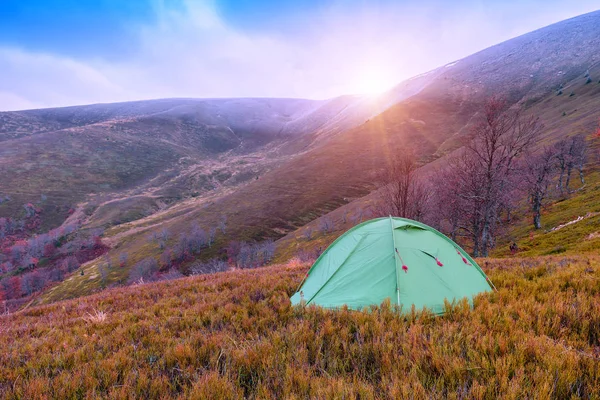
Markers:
(403, 260)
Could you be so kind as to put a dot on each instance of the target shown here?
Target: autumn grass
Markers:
(234, 335)
(582, 236)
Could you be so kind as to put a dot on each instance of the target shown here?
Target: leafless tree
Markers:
(223, 223)
(164, 234)
(402, 193)
(212, 266)
(326, 224)
(212, 233)
(104, 270)
(250, 255)
(571, 154)
(357, 217)
(458, 197)
(578, 152)
(143, 270)
(497, 140)
(538, 172)
(477, 184)
(308, 232)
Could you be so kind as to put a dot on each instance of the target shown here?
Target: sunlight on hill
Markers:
(373, 80)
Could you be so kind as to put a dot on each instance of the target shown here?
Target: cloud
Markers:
(34, 80)
(192, 51)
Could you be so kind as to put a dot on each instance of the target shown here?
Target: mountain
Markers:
(433, 120)
(172, 148)
(271, 166)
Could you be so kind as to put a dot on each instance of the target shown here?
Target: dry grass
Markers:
(96, 316)
(234, 334)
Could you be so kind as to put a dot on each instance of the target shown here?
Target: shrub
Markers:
(210, 267)
(143, 271)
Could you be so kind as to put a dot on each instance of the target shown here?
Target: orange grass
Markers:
(234, 335)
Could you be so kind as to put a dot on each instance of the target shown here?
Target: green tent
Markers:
(396, 258)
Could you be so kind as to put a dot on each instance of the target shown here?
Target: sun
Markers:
(373, 80)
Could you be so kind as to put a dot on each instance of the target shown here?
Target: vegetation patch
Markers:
(235, 334)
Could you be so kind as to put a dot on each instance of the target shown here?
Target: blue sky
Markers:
(65, 52)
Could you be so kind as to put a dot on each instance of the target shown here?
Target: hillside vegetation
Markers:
(166, 185)
(234, 335)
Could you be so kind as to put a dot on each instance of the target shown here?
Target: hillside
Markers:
(234, 335)
(433, 120)
(269, 167)
(571, 222)
(168, 149)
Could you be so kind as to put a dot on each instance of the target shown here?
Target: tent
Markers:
(403, 260)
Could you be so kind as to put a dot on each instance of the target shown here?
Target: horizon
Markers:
(149, 50)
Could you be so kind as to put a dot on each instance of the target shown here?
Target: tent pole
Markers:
(395, 262)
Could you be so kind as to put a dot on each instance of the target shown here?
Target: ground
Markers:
(235, 334)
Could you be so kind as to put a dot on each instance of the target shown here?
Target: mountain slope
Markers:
(433, 121)
(69, 153)
(272, 166)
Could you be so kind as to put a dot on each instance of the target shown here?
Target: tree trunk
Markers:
(568, 180)
(536, 220)
(476, 246)
(485, 237)
(581, 175)
(559, 185)
(537, 223)
(536, 203)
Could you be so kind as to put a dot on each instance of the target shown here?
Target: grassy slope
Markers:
(579, 237)
(584, 199)
(323, 180)
(235, 334)
(316, 182)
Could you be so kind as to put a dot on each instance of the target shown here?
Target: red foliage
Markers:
(98, 241)
(49, 250)
(13, 287)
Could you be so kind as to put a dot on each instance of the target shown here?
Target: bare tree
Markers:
(538, 172)
(477, 184)
(223, 223)
(143, 271)
(458, 198)
(396, 181)
(104, 270)
(210, 267)
(570, 154)
(308, 232)
(357, 216)
(198, 238)
(577, 158)
(164, 235)
(403, 192)
(212, 233)
(497, 140)
(326, 224)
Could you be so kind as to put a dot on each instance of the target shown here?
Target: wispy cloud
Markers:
(192, 51)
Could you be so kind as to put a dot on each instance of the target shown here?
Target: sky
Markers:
(69, 52)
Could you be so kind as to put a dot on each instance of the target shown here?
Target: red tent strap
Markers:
(404, 266)
(463, 257)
